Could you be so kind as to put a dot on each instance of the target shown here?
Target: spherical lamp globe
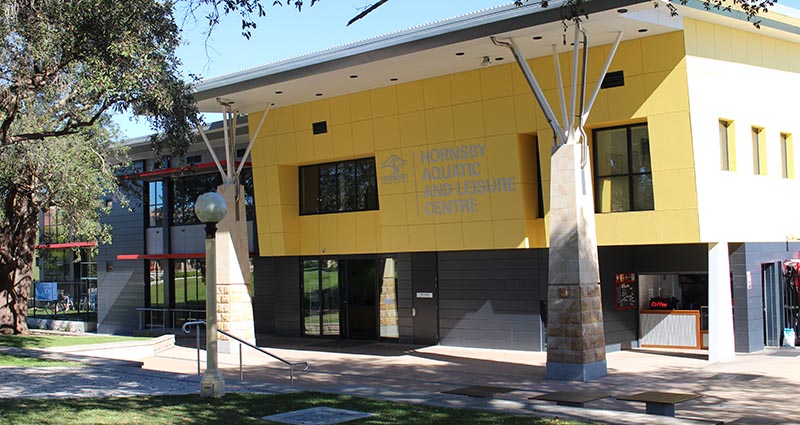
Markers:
(210, 207)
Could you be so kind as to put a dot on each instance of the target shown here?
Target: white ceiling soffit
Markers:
(453, 45)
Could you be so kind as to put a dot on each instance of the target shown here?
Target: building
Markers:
(152, 275)
(401, 183)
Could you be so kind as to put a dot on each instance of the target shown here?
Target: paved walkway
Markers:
(759, 388)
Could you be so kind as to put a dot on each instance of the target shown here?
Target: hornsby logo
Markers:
(395, 163)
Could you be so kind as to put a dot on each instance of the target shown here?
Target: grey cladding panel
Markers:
(490, 299)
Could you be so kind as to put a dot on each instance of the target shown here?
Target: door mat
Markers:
(317, 416)
(734, 377)
(480, 391)
(787, 352)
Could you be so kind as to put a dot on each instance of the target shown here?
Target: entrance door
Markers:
(424, 298)
(773, 303)
(360, 307)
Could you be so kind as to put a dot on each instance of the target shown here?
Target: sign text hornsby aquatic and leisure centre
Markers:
(452, 178)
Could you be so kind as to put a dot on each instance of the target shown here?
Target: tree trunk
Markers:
(17, 242)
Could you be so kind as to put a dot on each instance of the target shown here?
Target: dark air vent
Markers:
(320, 127)
(613, 79)
(240, 152)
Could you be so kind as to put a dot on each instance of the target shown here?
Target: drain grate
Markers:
(480, 391)
(739, 377)
(317, 416)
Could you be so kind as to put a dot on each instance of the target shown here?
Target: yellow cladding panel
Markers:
(320, 111)
(662, 52)
(273, 219)
(413, 131)
(500, 116)
(667, 91)
(265, 247)
(393, 209)
(259, 185)
(384, 101)
(525, 107)
(439, 125)
(363, 136)
(628, 58)
(291, 244)
(360, 106)
(449, 237)
(309, 234)
(670, 141)
(496, 81)
(395, 239)
(410, 98)
(482, 209)
(509, 234)
(263, 216)
(272, 186)
(466, 87)
(340, 110)
(478, 235)
(345, 232)
(545, 72)
(367, 232)
(674, 189)
(328, 233)
(437, 92)
(626, 228)
(678, 226)
(627, 102)
(302, 116)
(323, 146)
(288, 185)
(468, 120)
(290, 218)
(305, 146)
(283, 119)
(537, 234)
(342, 135)
(386, 133)
(286, 148)
(415, 209)
(422, 237)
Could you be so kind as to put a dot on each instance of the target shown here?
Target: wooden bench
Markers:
(571, 398)
(659, 403)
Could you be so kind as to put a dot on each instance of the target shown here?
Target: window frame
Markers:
(630, 174)
(728, 162)
(787, 154)
(759, 151)
(317, 210)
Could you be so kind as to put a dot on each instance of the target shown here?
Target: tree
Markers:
(64, 66)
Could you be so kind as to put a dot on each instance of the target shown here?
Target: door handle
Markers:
(413, 312)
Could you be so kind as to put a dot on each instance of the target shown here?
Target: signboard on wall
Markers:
(626, 291)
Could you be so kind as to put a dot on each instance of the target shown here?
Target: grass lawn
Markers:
(236, 409)
(6, 360)
(45, 341)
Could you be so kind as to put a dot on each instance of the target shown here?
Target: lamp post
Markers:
(210, 209)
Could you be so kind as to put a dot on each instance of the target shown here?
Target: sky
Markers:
(285, 33)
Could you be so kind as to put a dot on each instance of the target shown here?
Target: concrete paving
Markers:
(758, 388)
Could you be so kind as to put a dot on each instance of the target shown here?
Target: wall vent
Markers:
(320, 127)
(613, 79)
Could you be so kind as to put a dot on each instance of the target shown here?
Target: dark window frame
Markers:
(630, 174)
(152, 204)
(355, 189)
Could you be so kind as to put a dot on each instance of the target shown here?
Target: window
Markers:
(759, 152)
(190, 284)
(787, 153)
(185, 191)
(155, 202)
(338, 187)
(155, 295)
(623, 177)
(320, 297)
(727, 148)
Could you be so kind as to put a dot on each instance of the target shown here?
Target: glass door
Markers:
(320, 297)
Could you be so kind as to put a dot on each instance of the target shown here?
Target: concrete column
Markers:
(720, 312)
(234, 305)
(576, 341)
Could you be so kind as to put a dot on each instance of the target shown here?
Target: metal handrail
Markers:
(291, 365)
